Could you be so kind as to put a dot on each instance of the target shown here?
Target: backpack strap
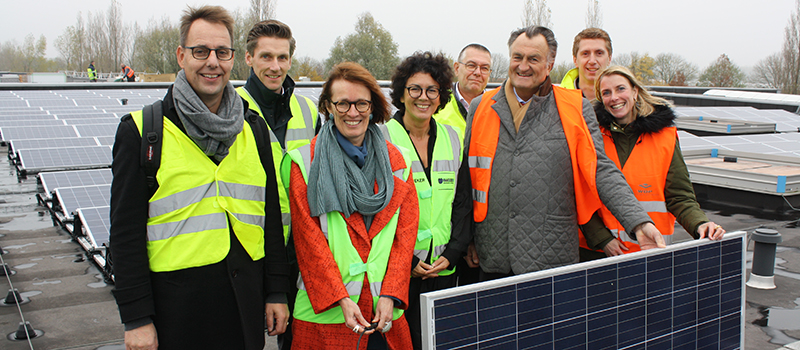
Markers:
(152, 133)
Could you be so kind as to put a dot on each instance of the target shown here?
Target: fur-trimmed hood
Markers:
(662, 117)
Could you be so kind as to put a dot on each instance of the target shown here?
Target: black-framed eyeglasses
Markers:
(415, 91)
(202, 52)
(343, 106)
(471, 67)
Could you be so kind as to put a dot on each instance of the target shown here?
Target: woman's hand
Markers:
(614, 248)
(352, 316)
(438, 265)
(421, 269)
(383, 313)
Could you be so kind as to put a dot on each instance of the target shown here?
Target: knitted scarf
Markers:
(336, 183)
(213, 133)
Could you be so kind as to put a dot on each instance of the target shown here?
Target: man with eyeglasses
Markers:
(197, 248)
(472, 73)
(292, 119)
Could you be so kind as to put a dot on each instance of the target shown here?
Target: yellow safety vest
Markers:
(435, 197)
(351, 267)
(196, 201)
(451, 115)
(299, 132)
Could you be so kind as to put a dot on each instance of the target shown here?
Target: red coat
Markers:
(321, 275)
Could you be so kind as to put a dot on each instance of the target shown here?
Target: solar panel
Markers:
(37, 132)
(72, 198)
(82, 115)
(16, 145)
(51, 102)
(43, 159)
(689, 295)
(110, 119)
(95, 101)
(91, 130)
(784, 121)
(105, 140)
(96, 224)
(31, 122)
(74, 178)
(10, 117)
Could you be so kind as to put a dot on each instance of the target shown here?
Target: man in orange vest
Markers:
(538, 168)
(127, 73)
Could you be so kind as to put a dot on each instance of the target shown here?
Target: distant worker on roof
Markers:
(127, 73)
(92, 72)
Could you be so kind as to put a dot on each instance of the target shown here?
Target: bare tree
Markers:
(594, 18)
(791, 53)
(769, 72)
(499, 68)
(154, 47)
(261, 10)
(536, 13)
(117, 33)
(669, 65)
(308, 67)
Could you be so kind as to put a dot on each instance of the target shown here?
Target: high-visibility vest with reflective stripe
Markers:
(646, 172)
(435, 197)
(351, 267)
(483, 146)
(128, 71)
(451, 115)
(189, 214)
(92, 73)
(299, 132)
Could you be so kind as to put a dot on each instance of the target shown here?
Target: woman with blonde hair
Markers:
(640, 137)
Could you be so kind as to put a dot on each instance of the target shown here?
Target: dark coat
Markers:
(217, 306)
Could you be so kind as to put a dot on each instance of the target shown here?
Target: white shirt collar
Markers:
(518, 98)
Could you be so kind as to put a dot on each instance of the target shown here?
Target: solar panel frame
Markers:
(97, 225)
(70, 199)
(93, 130)
(74, 178)
(36, 160)
(40, 132)
(690, 294)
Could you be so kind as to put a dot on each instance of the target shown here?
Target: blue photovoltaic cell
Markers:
(688, 295)
(96, 224)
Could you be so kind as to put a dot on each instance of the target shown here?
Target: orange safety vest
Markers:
(483, 146)
(129, 73)
(646, 172)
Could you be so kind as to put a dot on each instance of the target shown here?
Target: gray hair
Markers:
(533, 31)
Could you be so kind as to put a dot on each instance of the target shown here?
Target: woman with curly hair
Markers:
(419, 89)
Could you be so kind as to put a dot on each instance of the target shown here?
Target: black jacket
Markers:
(202, 307)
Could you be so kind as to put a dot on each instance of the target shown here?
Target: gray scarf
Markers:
(213, 133)
(336, 183)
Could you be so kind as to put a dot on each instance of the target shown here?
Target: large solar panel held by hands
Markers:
(687, 296)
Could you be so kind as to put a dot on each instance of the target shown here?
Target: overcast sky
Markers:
(699, 30)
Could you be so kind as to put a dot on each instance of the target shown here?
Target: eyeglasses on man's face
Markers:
(415, 91)
(471, 67)
(343, 106)
(202, 52)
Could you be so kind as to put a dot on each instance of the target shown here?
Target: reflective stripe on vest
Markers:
(196, 201)
(646, 173)
(435, 197)
(485, 132)
(352, 269)
(299, 132)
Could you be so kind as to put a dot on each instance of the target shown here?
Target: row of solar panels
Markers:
(79, 201)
